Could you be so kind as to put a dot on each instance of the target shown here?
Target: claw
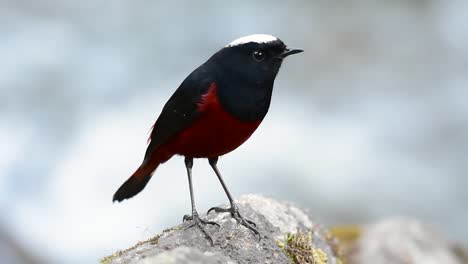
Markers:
(219, 210)
(200, 223)
(240, 219)
(250, 222)
(186, 218)
(209, 223)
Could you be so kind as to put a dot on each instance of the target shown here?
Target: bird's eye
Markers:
(258, 55)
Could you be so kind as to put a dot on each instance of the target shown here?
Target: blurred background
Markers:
(370, 122)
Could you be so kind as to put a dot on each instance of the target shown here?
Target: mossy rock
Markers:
(299, 248)
(304, 242)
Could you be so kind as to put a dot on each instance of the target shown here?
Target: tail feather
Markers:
(136, 182)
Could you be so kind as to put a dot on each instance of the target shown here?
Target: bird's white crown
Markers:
(257, 38)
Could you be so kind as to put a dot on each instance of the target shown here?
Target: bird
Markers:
(213, 111)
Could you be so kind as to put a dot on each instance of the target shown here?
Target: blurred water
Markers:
(370, 121)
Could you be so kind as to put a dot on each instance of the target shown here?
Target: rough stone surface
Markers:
(233, 243)
(402, 241)
(186, 255)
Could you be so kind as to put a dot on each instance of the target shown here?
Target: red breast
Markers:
(215, 133)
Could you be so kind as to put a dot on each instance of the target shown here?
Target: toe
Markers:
(208, 222)
(218, 210)
(253, 229)
(251, 222)
(212, 223)
(190, 226)
(187, 218)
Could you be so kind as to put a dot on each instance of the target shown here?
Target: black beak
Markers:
(290, 51)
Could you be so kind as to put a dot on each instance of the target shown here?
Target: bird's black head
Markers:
(255, 58)
(245, 71)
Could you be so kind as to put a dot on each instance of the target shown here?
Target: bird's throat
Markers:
(246, 101)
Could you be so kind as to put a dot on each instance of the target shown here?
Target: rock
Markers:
(186, 255)
(402, 241)
(288, 234)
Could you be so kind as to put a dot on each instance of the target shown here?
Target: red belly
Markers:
(215, 133)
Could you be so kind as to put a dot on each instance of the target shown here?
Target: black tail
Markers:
(136, 182)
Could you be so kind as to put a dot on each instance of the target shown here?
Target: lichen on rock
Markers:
(234, 243)
(300, 249)
(288, 235)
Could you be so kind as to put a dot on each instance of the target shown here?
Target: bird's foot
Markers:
(234, 211)
(200, 223)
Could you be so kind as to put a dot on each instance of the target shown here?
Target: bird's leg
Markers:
(195, 218)
(234, 210)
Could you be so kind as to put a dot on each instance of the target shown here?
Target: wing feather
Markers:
(180, 111)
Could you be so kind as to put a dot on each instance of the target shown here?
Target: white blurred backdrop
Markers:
(371, 121)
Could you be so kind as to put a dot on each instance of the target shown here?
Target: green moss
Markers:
(152, 241)
(299, 248)
(347, 234)
(345, 237)
(108, 259)
(319, 256)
